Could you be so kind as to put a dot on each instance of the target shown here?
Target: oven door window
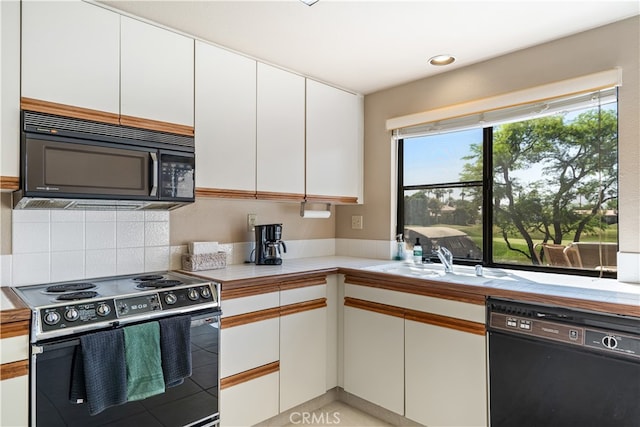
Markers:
(177, 176)
(195, 401)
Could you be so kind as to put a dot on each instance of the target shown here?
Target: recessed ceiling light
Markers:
(309, 2)
(440, 60)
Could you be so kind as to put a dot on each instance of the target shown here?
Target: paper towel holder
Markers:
(312, 213)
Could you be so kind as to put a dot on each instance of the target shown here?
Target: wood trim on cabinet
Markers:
(418, 287)
(224, 193)
(270, 195)
(249, 375)
(445, 321)
(39, 106)
(303, 282)
(248, 291)
(336, 200)
(377, 307)
(270, 280)
(300, 307)
(157, 125)
(14, 329)
(14, 369)
(245, 318)
(417, 316)
(9, 183)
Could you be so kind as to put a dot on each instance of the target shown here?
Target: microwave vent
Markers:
(72, 126)
(43, 204)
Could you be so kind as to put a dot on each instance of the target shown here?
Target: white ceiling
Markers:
(368, 45)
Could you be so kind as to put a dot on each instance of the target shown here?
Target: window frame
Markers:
(487, 213)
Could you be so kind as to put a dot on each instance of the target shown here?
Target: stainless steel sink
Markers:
(460, 274)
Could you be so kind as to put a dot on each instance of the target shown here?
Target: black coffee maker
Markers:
(269, 247)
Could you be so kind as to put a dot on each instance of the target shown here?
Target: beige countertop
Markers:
(590, 289)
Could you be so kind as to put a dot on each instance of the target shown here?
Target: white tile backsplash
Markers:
(67, 236)
(28, 269)
(100, 235)
(156, 233)
(68, 265)
(67, 216)
(30, 216)
(129, 234)
(130, 260)
(156, 258)
(31, 237)
(67, 245)
(100, 216)
(100, 262)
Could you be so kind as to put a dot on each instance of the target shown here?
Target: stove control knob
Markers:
(51, 318)
(193, 294)
(205, 292)
(103, 310)
(71, 314)
(170, 298)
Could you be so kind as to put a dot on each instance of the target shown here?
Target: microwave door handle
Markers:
(154, 188)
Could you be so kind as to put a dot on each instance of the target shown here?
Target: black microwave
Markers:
(70, 163)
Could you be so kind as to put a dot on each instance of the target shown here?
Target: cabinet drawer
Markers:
(248, 346)
(14, 348)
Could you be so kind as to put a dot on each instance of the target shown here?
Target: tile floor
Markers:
(335, 414)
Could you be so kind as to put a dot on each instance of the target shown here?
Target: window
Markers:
(534, 186)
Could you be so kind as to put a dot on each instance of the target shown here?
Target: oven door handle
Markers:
(41, 348)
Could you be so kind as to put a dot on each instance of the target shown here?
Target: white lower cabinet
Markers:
(374, 357)
(250, 402)
(14, 401)
(445, 376)
(303, 357)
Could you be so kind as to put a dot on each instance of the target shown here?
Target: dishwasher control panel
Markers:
(538, 328)
(595, 331)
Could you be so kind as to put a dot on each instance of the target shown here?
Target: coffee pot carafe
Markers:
(269, 246)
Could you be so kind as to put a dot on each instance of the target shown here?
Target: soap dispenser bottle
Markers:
(400, 250)
(417, 252)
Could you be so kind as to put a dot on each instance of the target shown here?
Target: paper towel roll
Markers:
(315, 214)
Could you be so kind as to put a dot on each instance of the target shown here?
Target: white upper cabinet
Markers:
(156, 73)
(71, 54)
(280, 132)
(9, 93)
(334, 142)
(225, 119)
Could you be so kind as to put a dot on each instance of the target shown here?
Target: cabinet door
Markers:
(446, 379)
(156, 73)
(10, 92)
(334, 142)
(374, 357)
(71, 54)
(281, 132)
(225, 119)
(250, 402)
(303, 357)
(14, 401)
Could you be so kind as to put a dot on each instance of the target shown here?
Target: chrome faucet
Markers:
(446, 258)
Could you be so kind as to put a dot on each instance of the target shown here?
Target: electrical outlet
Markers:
(356, 222)
(251, 221)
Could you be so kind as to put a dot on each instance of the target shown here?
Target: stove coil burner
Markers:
(73, 296)
(148, 278)
(155, 284)
(67, 287)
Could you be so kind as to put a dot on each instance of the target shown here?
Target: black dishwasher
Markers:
(553, 366)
